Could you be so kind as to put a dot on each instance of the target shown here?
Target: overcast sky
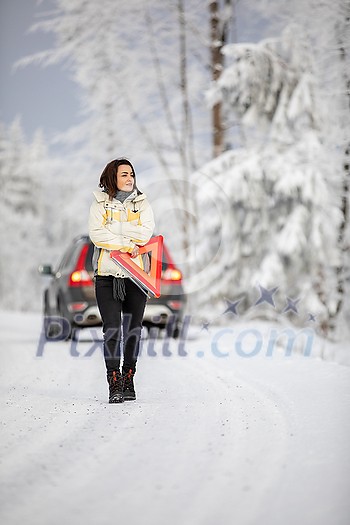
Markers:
(45, 98)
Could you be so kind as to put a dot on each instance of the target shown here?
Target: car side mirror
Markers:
(45, 269)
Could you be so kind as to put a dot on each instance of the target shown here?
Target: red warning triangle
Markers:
(149, 282)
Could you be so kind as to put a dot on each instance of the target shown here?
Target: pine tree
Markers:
(21, 237)
(329, 36)
(278, 195)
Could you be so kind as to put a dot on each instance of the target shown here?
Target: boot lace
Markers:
(129, 381)
(115, 383)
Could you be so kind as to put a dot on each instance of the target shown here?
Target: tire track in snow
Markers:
(206, 442)
(190, 438)
(253, 451)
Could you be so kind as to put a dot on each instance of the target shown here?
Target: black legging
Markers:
(133, 308)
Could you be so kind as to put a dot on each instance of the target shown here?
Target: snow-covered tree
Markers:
(44, 205)
(21, 236)
(128, 60)
(328, 43)
(142, 68)
(281, 194)
(269, 220)
(269, 86)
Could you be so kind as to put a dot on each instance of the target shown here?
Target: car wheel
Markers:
(50, 328)
(172, 328)
(67, 325)
(56, 326)
(153, 331)
(74, 334)
(176, 332)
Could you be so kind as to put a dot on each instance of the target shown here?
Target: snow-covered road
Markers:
(210, 440)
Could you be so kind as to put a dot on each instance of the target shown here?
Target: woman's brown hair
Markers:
(108, 179)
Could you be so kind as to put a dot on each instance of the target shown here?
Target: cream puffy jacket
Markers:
(118, 226)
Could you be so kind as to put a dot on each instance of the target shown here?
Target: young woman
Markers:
(121, 218)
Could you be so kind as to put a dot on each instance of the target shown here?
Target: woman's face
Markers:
(125, 178)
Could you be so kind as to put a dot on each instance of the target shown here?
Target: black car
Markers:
(70, 303)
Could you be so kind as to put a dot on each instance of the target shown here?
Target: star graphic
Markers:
(266, 295)
(205, 326)
(291, 305)
(232, 307)
(312, 318)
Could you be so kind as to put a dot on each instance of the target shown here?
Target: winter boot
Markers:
(115, 383)
(128, 386)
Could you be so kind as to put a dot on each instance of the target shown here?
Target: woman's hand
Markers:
(135, 252)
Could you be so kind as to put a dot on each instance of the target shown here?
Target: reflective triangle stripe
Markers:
(148, 281)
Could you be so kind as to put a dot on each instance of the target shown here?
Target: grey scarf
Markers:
(122, 195)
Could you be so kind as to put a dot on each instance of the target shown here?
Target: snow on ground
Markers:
(212, 439)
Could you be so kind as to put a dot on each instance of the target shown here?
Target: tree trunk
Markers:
(221, 24)
(216, 69)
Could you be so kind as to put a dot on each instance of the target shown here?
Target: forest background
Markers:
(236, 114)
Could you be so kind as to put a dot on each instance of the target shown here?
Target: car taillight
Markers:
(172, 274)
(175, 305)
(77, 307)
(80, 277)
